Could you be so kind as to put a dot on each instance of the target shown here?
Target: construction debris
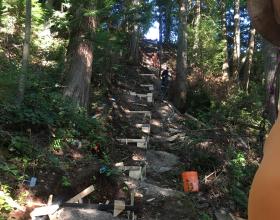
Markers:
(119, 207)
(149, 86)
(141, 143)
(78, 197)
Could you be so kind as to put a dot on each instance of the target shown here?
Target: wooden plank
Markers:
(146, 128)
(119, 207)
(45, 210)
(235, 218)
(82, 194)
(137, 112)
(150, 97)
(150, 86)
(142, 145)
(50, 199)
(136, 174)
(151, 75)
(131, 140)
(129, 168)
(144, 172)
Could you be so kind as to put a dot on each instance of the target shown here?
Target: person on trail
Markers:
(264, 196)
(164, 81)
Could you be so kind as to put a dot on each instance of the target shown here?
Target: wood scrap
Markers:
(235, 218)
(82, 194)
(119, 207)
(45, 210)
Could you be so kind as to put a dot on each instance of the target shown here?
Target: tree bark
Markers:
(271, 71)
(26, 51)
(196, 22)
(168, 21)
(249, 59)
(134, 45)
(1, 12)
(236, 43)
(80, 54)
(160, 38)
(135, 38)
(225, 67)
(180, 85)
(190, 2)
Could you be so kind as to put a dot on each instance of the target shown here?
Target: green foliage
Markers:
(243, 109)
(210, 47)
(8, 79)
(4, 206)
(237, 165)
(21, 145)
(57, 144)
(198, 101)
(204, 161)
(109, 48)
(204, 216)
(59, 23)
(10, 168)
(1, 11)
(241, 174)
(65, 182)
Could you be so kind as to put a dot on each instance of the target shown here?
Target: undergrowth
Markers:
(239, 116)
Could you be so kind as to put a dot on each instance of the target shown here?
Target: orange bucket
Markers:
(190, 181)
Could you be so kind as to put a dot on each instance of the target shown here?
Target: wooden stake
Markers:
(119, 207)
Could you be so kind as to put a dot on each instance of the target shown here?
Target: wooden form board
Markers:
(135, 172)
(81, 195)
(141, 143)
(150, 75)
(44, 210)
(119, 207)
(149, 86)
(149, 96)
(146, 113)
(146, 128)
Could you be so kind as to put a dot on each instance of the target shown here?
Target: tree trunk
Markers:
(168, 20)
(134, 45)
(271, 71)
(26, 49)
(196, 22)
(160, 39)
(249, 59)
(180, 84)
(190, 2)
(135, 38)
(225, 68)
(80, 54)
(236, 42)
(1, 12)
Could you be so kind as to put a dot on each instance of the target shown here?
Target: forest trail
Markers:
(147, 132)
